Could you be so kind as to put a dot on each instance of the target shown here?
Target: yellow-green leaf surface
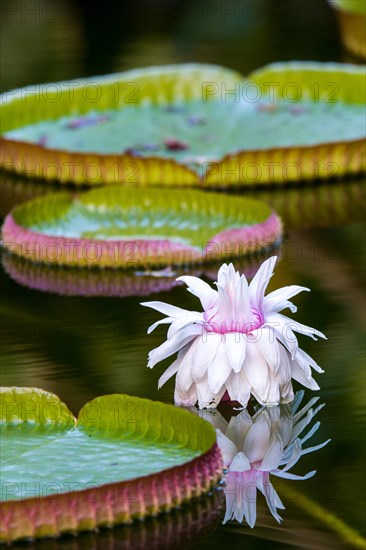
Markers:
(189, 124)
(116, 438)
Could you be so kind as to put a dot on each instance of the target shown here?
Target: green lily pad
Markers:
(120, 227)
(191, 124)
(123, 458)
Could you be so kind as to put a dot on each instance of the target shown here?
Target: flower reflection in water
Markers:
(257, 447)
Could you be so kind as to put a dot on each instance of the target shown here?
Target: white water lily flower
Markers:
(240, 343)
(254, 448)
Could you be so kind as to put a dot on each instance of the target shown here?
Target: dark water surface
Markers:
(81, 347)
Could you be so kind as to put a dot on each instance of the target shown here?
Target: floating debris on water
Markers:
(173, 144)
(81, 122)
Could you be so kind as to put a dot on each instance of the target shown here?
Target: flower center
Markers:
(215, 323)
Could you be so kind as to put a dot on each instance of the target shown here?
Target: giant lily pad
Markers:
(190, 125)
(352, 21)
(124, 458)
(122, 227)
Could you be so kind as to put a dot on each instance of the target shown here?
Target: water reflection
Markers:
(257, 447)
(311, 206)
(300, 206)
(178, 530)
(71, 281)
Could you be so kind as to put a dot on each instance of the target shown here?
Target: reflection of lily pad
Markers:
(119, 227)
(185, 125)
(335, 203)
(177, 530)
(124, 458)
(68, 281)
(86, 282)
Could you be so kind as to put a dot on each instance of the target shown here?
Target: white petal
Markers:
(164, 321)
(224, 308)
(258, 439)
(296, 455)
(249, 498)
(204, 355)
(256, 371)
(315, 447)
(188, 399)
(240, 463)
(184, 378)
(273, 456)
(260, 281)
(299, 375)
(227, 275)
(167, 309)
(238, 387)
(282, 329)
(304, 410)
(227, 448)
(206, 397)
(272, 498)
(170, 371)
(268, 345)
(181, 322)
(213, 417)
(235, 349)
(242, 301)
(219, 370)
(238, 428)
(302, 357)
(174, 344)
(279, 299)
(231, 497)
(288, 475)
(300, 328)
(199, 288)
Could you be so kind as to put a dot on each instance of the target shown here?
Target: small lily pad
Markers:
(124, 458)
(191, 125)
(122, 227)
